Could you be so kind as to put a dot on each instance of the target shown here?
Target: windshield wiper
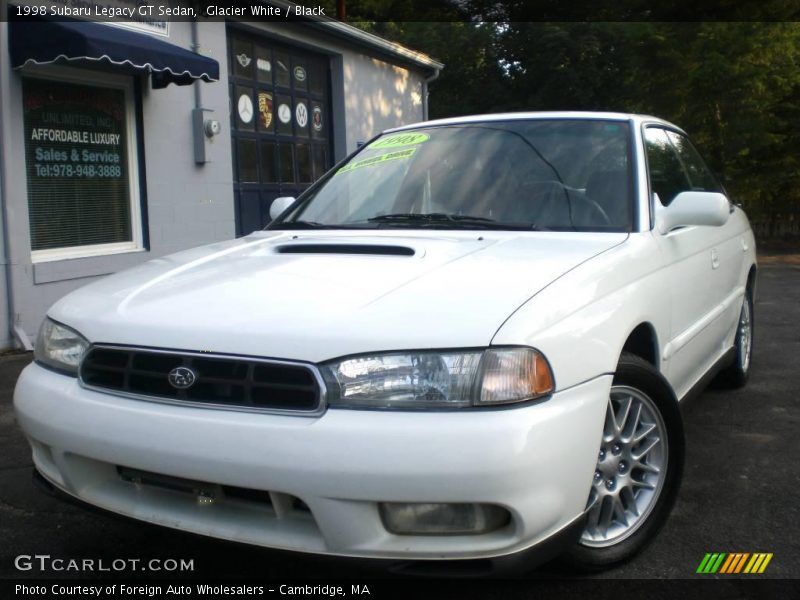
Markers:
(425, 217)
(449, 221)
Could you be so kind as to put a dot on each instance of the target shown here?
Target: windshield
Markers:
(554, 174)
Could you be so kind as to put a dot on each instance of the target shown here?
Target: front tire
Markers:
(639, 467)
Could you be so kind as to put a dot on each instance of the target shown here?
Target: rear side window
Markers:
(667, 175)
(700, 176)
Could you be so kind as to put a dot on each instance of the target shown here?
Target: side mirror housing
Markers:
(279, 205)
(693, 208)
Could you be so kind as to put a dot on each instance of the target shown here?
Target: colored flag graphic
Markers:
(734, 562)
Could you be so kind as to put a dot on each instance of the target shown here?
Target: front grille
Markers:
(220, 381)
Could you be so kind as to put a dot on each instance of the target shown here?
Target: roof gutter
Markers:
(364, 38)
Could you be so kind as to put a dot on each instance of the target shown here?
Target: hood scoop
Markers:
(371, 249)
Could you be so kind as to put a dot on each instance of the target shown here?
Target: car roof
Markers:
(610, 116)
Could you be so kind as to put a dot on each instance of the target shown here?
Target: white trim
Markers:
(370, 39)
(105, 80)
(55, 254)
(140, 27)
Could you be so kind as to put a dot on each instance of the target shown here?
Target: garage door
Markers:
(280, 124)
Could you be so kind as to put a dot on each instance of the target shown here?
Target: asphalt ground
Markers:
(739, 493)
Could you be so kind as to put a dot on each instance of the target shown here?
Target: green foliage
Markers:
(734, 86)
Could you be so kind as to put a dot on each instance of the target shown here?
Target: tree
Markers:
(734, 86)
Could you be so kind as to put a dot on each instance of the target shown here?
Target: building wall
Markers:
(187, 205)
(378, 96)
(5, 326)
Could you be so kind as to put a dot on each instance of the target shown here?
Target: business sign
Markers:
(76, 153)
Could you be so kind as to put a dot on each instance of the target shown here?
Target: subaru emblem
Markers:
(182, 378)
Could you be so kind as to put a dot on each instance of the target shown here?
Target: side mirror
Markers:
(279, 205)
(693, 208)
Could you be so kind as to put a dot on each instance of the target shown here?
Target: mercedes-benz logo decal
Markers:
(245, 107)
(182, 378)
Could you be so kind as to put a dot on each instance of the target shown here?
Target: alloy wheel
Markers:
(631, 467)
(745, 336)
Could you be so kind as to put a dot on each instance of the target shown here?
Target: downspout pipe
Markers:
(198, 112)
(5, 257)
(425, 83)
(198, 92)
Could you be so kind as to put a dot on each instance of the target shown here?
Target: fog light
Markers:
(405, 518)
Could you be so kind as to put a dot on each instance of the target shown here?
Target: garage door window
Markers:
(81, 167)
(280, 123)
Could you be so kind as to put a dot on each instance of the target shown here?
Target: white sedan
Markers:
(468, 340)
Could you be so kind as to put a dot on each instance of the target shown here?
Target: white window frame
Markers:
(104, 80)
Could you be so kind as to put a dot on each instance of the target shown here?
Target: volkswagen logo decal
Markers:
(182, 378)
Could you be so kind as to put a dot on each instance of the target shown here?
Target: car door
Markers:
(729, 250)
(692, 258)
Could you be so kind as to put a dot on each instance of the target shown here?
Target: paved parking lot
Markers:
(740, 491)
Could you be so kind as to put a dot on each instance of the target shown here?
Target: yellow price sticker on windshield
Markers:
(400, 139)
(377, 160)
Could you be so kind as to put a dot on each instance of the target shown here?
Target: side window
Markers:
(700, 175)
(667, 176)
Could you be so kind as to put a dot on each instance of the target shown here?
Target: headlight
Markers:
(439, 379)
(59, 347)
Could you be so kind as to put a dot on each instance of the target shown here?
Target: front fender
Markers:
(581, 321)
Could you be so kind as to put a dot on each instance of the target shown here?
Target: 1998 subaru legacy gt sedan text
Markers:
(468, 339)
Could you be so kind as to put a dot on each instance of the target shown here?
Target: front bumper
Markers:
(535, 460)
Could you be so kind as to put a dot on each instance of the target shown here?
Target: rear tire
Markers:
(736, 375)
(639, 467)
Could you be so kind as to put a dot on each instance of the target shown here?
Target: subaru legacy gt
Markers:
(468, 340)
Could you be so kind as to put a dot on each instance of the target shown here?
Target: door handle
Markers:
(714, 259)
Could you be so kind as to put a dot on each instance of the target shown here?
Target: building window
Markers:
(81, 156)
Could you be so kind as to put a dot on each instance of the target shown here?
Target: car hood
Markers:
(322, 294)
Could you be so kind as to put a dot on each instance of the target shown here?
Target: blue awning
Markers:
(82, 43)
